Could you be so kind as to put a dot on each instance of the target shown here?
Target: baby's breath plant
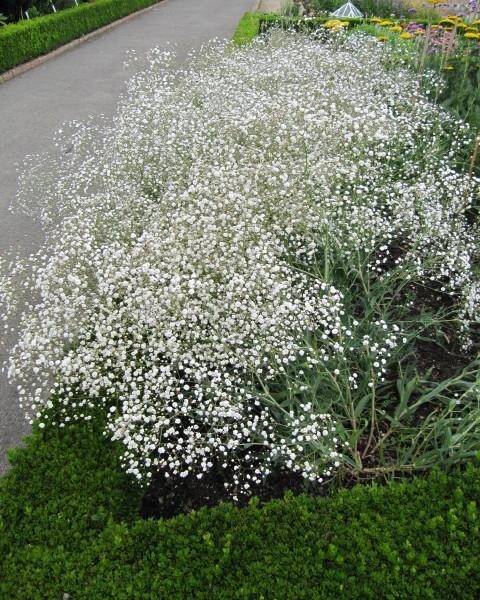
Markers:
(211, 259)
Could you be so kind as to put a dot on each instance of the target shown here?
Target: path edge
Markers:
(35, 62)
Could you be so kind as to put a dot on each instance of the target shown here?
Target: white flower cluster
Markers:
(181, 241)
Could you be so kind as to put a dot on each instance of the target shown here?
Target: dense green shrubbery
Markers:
(26, 40)
(68, 525)
(247, 29)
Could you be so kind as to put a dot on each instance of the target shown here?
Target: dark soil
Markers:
(439, 362)
(444, 356)
(386, 260)
(167, 497)
(435, 359)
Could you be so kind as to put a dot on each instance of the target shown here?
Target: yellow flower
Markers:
(472, 36)
(381, 38)
(385, 23)
(461, 26)
(396, 28)
(470, 30)
(406, 36)
(335, 24)
(375, 20)
(447, 22)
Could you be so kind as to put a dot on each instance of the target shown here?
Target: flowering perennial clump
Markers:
(188, 242)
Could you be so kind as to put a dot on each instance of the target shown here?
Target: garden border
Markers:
(253, 24)
(39, 60)
(99, 547)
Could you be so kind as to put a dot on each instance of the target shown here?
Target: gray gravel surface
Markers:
(86, 80)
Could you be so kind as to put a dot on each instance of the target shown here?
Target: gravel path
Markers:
(86, 80)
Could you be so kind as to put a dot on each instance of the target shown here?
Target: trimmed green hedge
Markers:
(247, 29)
(28, 39)
(68, 524)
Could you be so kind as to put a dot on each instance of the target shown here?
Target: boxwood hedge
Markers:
(28, 39)
(69, 525)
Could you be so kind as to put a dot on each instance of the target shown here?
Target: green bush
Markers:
(68, 525)
(247, 29)
(26, 40)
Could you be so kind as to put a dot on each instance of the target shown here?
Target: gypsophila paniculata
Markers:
(181, 238)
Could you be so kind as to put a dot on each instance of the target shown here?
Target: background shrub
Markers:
(14, 9)
(370, 8)
(26, 40)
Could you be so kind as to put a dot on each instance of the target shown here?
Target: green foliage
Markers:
(62, 476)
(370, 8)
(14, 9)
(23, 41)
(68, 526)
(405, 422)
(428, 14)
(307, 25)
(289, 9)
(298, 24)
(247, 29)
(461, 71)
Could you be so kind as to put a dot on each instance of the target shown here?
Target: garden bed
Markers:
(259, 280)
(254, 24)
